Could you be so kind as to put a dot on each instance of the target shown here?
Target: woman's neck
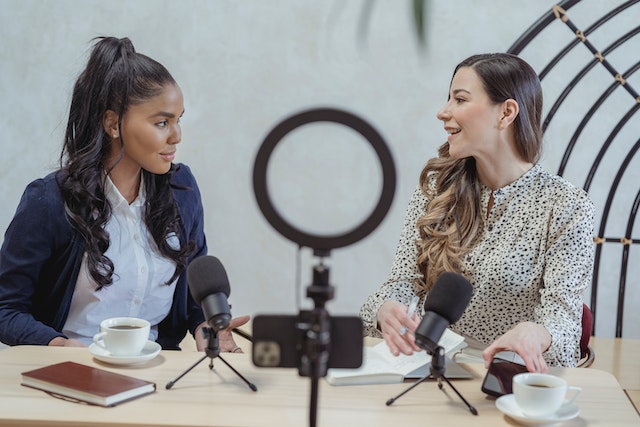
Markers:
(126, 181)
(500, 174)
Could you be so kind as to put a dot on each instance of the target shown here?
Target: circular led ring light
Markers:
(324, 243)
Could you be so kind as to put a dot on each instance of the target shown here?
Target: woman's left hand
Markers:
(225, 337)
(528, 339)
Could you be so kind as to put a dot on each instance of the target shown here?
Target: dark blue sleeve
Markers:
(28, 245)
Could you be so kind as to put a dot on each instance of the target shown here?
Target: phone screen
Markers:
(498, 380)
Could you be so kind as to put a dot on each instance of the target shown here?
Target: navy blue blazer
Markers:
(41, 256)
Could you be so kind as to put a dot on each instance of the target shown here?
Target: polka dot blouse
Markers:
(533, 262)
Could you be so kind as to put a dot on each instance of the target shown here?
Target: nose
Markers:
(176, 135)
(444, 114)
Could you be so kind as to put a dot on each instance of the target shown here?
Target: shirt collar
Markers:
(516, 186)
(116, 199)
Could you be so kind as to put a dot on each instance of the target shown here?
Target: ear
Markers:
(510, 111)
(110, 123)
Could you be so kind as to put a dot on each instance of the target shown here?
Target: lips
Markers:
(168, 156)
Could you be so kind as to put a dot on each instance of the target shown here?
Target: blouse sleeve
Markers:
(399, 285)
(568, 272)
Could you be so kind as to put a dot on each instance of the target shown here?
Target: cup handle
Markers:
(98, 339)
(576, 392)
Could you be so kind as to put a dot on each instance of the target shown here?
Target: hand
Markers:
(392, 316)
(528, 339)
(66, 342)
(225, 337)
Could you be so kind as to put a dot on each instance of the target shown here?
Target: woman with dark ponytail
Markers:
(486, 209)
(110, 233)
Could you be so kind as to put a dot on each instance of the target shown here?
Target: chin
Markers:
(160, 170)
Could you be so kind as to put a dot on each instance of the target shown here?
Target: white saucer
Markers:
(507, 405)
(150, 350)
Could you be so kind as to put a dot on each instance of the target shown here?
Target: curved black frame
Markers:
(323, 244)
(559, 11)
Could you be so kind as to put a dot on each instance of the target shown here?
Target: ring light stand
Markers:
(315, 345)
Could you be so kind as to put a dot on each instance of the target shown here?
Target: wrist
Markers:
(58, 341)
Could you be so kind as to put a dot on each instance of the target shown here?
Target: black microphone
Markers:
(445, 303)
(209, 287)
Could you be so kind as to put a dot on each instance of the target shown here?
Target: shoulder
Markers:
(183, 176)
(186, 193)
(564, 193)
(43, 191)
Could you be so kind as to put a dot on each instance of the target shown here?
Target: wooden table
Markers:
(620, 357)
(220, 398)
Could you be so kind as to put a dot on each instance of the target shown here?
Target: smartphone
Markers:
(279, 341)
(498, 380)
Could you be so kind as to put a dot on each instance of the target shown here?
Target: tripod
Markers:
(437, 371)
(212, 351)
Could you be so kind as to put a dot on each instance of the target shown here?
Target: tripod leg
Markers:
(471, 408)
(251, 385)
(393, 399)
(171, 383)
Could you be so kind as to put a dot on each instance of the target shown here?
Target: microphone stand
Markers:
(436, 369)
(316, 339)
(212, 351)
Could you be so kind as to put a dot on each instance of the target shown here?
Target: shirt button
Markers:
(136, 301)
(136, 237)
(143, 269)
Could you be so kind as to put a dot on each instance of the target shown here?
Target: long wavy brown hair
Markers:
(453, 217)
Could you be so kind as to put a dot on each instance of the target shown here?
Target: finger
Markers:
(239, 321)
(488, 354)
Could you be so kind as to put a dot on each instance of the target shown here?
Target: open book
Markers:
(379, 366)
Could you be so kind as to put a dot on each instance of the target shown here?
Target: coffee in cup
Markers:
(123, 336)
(540, 395)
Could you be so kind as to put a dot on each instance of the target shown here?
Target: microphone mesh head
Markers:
(207, 276)
(449, 296)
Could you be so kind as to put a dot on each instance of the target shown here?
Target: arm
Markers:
(553, 334)
(387, 307)
(568, 273)
(34, 238)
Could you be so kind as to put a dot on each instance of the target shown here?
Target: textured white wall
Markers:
(243, 66)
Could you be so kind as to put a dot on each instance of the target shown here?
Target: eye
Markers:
(459, 100)
(162, 124)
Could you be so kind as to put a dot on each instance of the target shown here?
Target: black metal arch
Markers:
(588, 31)
(572, 84)
(559, 11)
(583, 123)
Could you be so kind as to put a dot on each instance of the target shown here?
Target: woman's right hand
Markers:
(392, 317)
(66, 342)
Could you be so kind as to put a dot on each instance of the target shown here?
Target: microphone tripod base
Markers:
(212, 351)
(437, 372)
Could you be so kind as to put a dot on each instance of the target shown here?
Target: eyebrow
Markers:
(457, 91)
(166, 114)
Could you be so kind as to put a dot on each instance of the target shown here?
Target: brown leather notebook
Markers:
(86, 383)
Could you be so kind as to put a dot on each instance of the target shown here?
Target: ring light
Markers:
(323, 243)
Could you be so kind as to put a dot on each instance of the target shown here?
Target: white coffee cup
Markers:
(123, 336)
(540, 395)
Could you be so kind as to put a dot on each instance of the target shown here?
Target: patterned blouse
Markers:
(533, 262)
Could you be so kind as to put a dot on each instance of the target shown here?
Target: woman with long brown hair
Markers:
(486, 209)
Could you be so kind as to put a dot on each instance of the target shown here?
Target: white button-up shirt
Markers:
(139, 286)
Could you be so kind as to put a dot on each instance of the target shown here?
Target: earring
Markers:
(115, 135)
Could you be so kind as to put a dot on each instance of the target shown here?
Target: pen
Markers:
(410, 311)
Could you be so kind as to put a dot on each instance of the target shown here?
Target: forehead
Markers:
(466, 79)
(169, 99)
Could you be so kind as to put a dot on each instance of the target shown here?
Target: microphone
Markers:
(209, 287)
(444, 305)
